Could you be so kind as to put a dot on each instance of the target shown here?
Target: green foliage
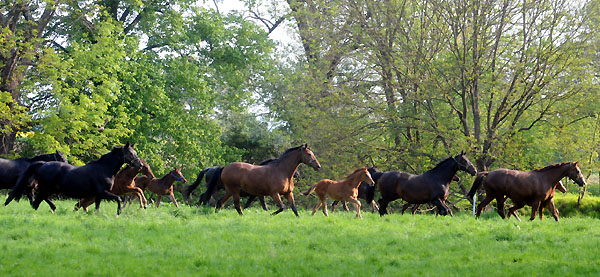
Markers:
(190, 240)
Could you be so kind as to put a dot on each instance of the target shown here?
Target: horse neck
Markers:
(45, 158)
(112, 161)
(289, 164)
(355, 179)
(167, 180)
(375, 176)
(129, 172)
(446, 170)
(554, 175)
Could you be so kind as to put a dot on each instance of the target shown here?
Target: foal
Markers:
(345, 190)
(162, 186)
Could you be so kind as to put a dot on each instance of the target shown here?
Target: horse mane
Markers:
(442, 162)
(357, 170)
(105, 156)
(287, 152)
(552, 166)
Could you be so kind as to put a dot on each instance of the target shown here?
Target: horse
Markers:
(205, 197)
(91, 180)
(416, 206)
(365, 191)
(534, 188)
(162, 186)
(10, 170)
(344, 190)
(430, 187)
(273, 179)
(124, 184)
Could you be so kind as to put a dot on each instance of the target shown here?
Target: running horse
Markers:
(162, 186)
(534, 188)
(430, 187)
(91, 180)
(10, 170)
(365, 191)
(273, 179)
(416, 206)
(124, 185)
(344, 190)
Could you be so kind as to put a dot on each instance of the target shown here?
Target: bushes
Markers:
(567, 205)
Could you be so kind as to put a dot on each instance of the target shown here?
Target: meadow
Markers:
(196, 241)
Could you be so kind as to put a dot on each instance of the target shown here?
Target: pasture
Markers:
(196, 241)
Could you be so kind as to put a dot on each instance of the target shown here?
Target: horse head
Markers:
(308, 157)
(464, 164)
(574, 174)
(145, 170)
(366, 177)
(130, 156)
(175, 173)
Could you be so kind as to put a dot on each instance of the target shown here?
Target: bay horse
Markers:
(344, 190)
(207, 173)
(430, 187)
(124, 185)
(91, 180)
(273, 179)
(162, 186)
(534, 188)
(10, 170)
(365, 191)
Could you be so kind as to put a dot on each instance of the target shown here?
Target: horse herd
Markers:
(44, 176)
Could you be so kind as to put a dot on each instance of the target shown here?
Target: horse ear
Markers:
(127, 144)
(304, 146)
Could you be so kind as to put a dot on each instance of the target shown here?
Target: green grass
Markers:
(196, 241)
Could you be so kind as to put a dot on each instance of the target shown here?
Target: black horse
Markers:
(210, 190)
(91, 180)
(430, 187)
(10, 170)
(365, 191)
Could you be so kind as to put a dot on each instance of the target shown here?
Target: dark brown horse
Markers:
(344, 190)
(534, 188)
(162, 186)
(430, 187)
(123, 185)
(273, 179)
(416, 206)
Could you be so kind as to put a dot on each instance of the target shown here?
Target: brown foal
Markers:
(162, 186)
(344, 190)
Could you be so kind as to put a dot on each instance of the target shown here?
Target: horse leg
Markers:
(324, 202)
(52, 206)
(251, 199)
(263, 203)
(317, 207)
(357, 206)
(278, 202)
(158, 198)
(173, 199)
(488, 198)
(500, 206)
(222, 201)
(236, 202)
(109, 196)
(541, 209)
(383, 206)
(415, 208)
(334, 204)
(447, 208)
(440, 206)
(290, 199)
(513, 209)
(404, 207)
(374, 206)
(553, 209)
(345, 205)
(534, 209)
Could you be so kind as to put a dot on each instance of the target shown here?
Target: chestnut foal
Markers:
(162, 186)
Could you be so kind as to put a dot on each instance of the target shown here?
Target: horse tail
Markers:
(477, 183)
(311, 189)
(23, 182)
(212, 185)
(188, 190)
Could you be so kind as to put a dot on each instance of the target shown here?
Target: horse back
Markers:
(10, 170)
(516, 184)
(255, 179)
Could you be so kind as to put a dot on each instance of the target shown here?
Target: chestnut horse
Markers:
(365, 191)
(345, 190)
(430, 187)
(273, 179)
(534, 188)
(124, 184)
(162, 186)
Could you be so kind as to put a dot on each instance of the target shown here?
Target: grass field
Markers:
(195, 241)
